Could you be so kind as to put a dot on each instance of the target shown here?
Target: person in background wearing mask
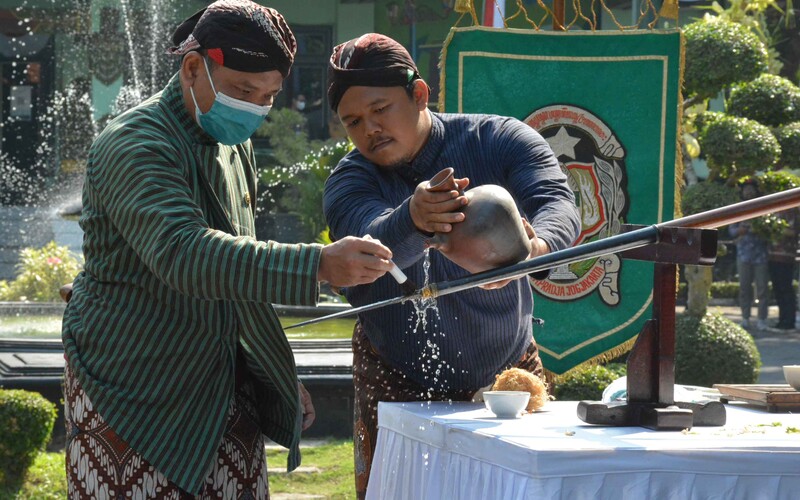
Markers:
(300, 103)
(177, 365)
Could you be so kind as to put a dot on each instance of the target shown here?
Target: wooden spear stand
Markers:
(651, 362)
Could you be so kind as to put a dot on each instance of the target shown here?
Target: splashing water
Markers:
(61, 123)
(424, 304)
(432, 365)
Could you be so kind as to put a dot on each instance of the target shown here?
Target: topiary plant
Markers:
(26, 420)
(771, 227)
(725, 289)
(789, 139)
(706, 196)
(587, 382)
(769, 99)
(720, 53)
(702, 120)
(735, 147)
(714, 350)
(774, 182)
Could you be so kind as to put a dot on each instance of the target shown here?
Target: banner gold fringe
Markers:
(679, 170)
(553, 378)
(463, 6)
(669, 9)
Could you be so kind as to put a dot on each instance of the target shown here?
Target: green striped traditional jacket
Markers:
(174, 279)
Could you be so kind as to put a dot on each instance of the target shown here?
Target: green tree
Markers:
(728, 54)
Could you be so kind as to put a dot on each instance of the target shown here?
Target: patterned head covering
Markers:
(239, 34)
(371, 60)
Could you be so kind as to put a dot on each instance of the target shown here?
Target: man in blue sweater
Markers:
(379, 189)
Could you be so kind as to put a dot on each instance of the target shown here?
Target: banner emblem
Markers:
(593, 159)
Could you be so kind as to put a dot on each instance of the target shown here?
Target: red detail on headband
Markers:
(216, 56)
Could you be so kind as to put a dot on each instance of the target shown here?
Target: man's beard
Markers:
(403, 162)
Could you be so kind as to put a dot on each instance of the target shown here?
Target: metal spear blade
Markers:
(355, 310)
(640, 237)
(633, 239)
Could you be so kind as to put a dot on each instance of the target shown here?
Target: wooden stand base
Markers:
(681, 415)
(651, 362)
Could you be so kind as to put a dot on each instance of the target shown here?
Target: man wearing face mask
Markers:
(177, 365)
(300, 103)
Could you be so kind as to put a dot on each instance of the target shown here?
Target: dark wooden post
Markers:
(558, 15)
(651, 363)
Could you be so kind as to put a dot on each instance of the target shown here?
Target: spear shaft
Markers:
(648, 235)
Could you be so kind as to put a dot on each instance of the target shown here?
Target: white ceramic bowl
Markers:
(506, 404)
(792, 375)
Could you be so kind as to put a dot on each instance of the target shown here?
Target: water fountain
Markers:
(67, 67)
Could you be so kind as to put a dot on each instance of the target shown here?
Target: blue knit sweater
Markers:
(477, 333)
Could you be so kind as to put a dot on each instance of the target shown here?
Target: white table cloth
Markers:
(461, 451)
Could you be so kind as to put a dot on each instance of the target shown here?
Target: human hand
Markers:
(309, 414)
(437, 211)
(353, 261)
(538, 246)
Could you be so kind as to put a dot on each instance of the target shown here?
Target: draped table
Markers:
(435, 450)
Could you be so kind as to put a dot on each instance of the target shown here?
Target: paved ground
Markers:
(777, 347)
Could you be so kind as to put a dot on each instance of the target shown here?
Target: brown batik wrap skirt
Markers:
(375, 381)
(101, 465)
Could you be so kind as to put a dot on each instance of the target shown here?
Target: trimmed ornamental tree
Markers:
(721, 57)
(720, 53)
(789, 138)
(26, 423)
(587, 382)
(735, 147)
(711, 349)
(769, 99)
(724, 58)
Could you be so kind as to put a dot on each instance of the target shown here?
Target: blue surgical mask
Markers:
(229, 121)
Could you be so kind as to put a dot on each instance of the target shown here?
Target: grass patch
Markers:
(333, 480)
(49, 327)
(47, 479)
(339, 328)
(30, 327)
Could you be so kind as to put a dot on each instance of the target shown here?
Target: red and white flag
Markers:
(494, 11)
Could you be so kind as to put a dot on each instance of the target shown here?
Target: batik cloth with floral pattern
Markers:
(375, 380)
(100, 465)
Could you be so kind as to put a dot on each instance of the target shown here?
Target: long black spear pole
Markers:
(648, 235)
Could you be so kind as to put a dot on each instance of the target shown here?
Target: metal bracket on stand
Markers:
(651, 362)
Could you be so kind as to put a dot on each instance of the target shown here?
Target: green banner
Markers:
(608, 104)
